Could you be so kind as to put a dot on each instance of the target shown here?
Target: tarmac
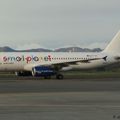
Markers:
(70, 99)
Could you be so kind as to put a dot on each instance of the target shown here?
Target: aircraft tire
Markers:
(59, 76)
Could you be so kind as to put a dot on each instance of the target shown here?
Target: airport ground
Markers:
(90, 74)
(80, 96)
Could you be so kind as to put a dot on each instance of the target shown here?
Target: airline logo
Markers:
(27, 59)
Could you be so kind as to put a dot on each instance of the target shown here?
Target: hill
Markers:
(66, 49)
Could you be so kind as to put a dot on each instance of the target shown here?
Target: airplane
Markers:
(48, 64)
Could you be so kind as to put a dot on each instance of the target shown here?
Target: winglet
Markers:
(105, 58)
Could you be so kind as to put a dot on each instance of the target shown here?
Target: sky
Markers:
(53, 24)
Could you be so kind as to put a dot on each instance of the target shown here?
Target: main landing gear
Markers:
(59, 76)
(23, 73)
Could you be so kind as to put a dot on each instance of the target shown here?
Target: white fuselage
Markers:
(25, 61)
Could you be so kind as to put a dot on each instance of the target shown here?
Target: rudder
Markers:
(114, 45)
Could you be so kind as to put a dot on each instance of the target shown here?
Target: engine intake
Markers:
(43, 71)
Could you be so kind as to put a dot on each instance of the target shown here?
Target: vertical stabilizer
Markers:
(114, 46)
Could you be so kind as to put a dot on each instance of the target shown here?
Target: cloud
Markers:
(28, 46)
(96, 45)
(54, 23)
(34, 46)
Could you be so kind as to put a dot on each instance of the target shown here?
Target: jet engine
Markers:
(43, 71)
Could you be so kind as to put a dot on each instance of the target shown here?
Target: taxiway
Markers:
(88, 99)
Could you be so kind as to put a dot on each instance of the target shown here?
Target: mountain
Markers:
(67, 49)
(35, 50)
(77, 49)
(6, 49)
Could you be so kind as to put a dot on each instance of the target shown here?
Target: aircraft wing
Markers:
(65, 64)
(59, 65)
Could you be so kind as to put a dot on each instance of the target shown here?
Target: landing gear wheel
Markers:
(59, 76)
(33, 73)
(18, 74)
(23, 73)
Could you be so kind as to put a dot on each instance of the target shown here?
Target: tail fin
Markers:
(114, 46)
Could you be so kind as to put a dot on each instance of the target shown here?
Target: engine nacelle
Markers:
(43, 71)
(66, 68)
